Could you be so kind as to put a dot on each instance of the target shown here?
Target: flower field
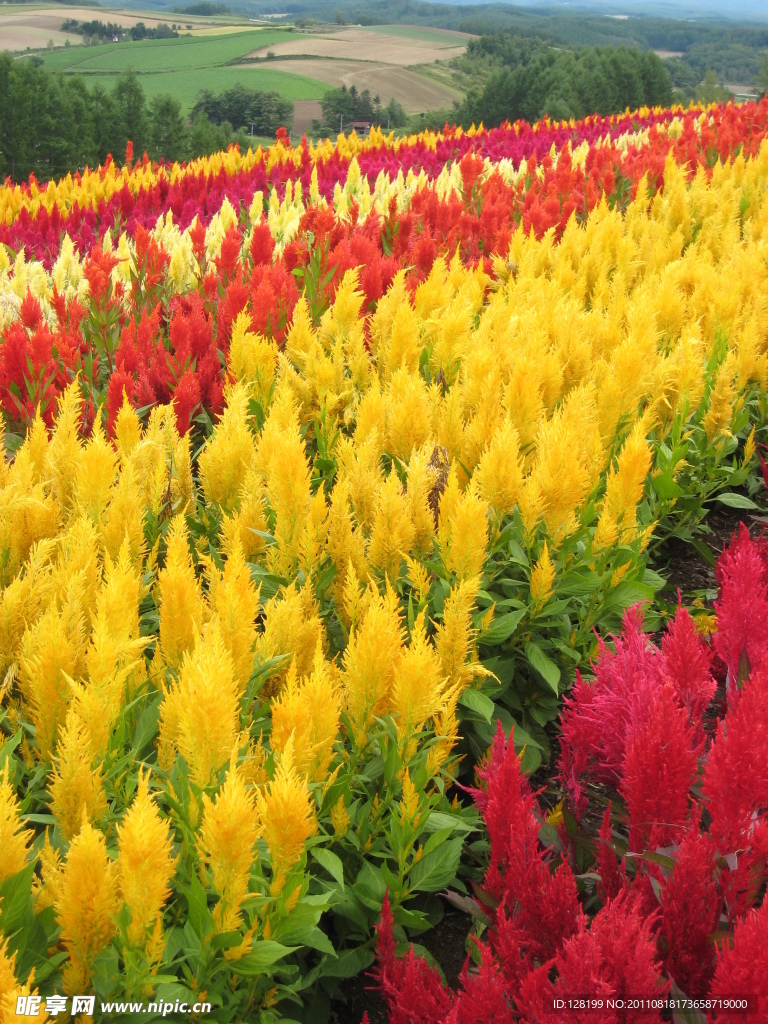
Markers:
(325, 468)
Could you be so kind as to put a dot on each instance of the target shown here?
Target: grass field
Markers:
(184, 66)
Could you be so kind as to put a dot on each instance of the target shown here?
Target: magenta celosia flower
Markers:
(686, 664)
(742, 609)
(599, 717)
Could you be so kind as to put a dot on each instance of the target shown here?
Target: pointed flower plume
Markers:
(145, 866)
(742, 608)
(229, 829)
(287, 814)
(181, 603)
(14, 838)
(86, 901)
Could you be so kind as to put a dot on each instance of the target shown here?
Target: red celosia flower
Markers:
(659, 768)
(686, 664)
(484, 996)
(230, 253)
(742, 609)
(690, 909)
(742, 970)
(736, 775)
(262, 245)
(613, 877)
(186, 398)
(30, 312)
(614, 956)
(599, 717)
(98, 267)
(414, 991)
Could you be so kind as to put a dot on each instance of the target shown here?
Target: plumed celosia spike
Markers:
(95, 474)
(418, 685)
(485, 995)
(14, 838)
(463, 530)
(123, 518)
(253, 358)
(292, 626)
(76, 788)
(685, 663)
(180, 600)
(229, 829)
(127, 429)
(624, 489)
(544, 905)
(542, 578)
(52, 653)
(742, 608)
(206, 681)
(500, 470)
(598, 716)
(229, 453)
(307, 713)
(371, 658)
(393, 530)
(613, 877)
(145, 866)
(455, 634)
(659, 768)
(413, 990)
(734, 794)
(86, 902)
(234, 601)
(11, 989)
(287, 813)
(743, 967)
(690, 914)
(65, 449)
(615, 956)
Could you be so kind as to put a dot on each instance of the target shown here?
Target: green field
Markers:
(184, 66)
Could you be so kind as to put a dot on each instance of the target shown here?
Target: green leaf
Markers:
(503, 627)
(479, 703)
(544, 665)
(348, 964)
(734, 500)
(331, 863)
(438, 869)
(265, 953)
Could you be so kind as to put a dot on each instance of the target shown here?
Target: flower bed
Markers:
(313, 481)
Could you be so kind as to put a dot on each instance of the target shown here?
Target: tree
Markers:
(131, 107)
(762, 78)
(167, 132)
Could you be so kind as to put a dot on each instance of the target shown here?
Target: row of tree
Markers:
(51, 124)
(343, 106)
(101, 30)
(536, 79)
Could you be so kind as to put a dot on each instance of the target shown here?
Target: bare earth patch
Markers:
(416, 92)
(360, 44)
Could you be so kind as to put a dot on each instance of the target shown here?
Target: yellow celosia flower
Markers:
(371, 658)
(200, 715)
(94, 474)
(500, 472)
(229, 452)
(288, 818)
(455, 634)
(145, 867)
(291, 626)
(252, 358)
(86, 901)
(228, 831)
(77, 792)
(624, 489)
(393, 531)
(463, 529)
(14, 839)
(542, 578)
(180, 600)
(306, 714)
(339, 818)
(11, 989)
(417, 687)
(234, 601)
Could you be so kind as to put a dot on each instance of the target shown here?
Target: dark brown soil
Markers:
(683, 564)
